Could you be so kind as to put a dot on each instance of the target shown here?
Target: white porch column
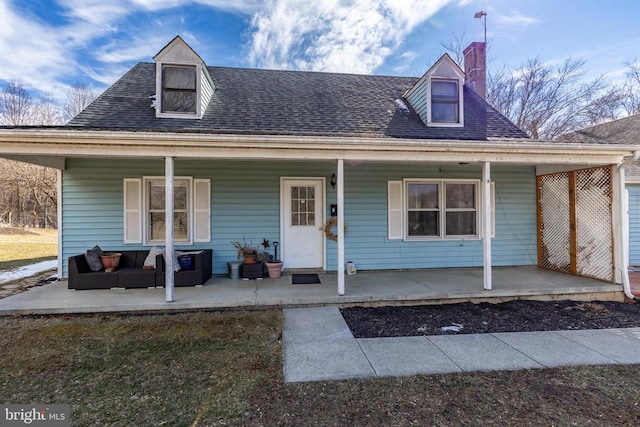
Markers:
(59, 219)
(168, 217)
(340, 231)
(486, 219)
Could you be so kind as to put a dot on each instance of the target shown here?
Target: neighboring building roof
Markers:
(623, 131)
(269, 102)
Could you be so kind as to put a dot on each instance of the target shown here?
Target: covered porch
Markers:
(432, 286)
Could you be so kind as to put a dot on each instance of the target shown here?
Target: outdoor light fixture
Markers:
(333, 181)
(479, 16)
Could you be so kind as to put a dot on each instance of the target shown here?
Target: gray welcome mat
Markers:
(305, 279)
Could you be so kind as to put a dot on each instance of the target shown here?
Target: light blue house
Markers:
(409, 173)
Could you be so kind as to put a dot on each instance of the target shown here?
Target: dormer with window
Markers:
(183, 84)
(437, 97)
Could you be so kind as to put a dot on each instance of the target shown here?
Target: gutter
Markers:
(624, 244)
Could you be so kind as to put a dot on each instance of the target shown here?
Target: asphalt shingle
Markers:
(271, 102)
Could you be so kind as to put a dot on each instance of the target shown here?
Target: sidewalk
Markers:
(318, 346)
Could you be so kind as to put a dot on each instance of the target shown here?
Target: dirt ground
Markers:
(469, 318)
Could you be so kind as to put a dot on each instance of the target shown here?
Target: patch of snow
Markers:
(422, 329)
(27, 270)
(402, 106)
(455, 327)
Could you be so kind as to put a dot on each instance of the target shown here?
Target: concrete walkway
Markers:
(319, 346)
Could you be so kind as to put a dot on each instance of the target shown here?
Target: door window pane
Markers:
(303, 206)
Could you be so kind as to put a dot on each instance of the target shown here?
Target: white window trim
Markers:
(442, 209)
(174, 114)
(145, 211)
(460, 123)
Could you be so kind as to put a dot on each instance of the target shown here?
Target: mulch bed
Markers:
(469, 318)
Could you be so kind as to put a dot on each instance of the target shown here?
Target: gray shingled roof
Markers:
(623, 131)
(269, 102)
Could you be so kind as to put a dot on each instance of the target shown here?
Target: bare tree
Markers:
(547, 101)
(16, 105)
(46, 112)
(631, 88)
(27, 192)
(79, 96)
(455, 47)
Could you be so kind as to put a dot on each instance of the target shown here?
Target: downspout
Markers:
(624, 245)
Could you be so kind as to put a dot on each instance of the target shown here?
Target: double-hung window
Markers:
(445, 101)
(156, 213)
(179, 89)
(145, 210)
(440, 209)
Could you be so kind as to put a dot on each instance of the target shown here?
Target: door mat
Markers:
(304, 279)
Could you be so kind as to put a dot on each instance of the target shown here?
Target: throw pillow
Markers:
(93, 258)
(150, 260)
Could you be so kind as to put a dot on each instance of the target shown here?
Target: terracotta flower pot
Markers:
(274, 269)
(110, 260)
(249, 258)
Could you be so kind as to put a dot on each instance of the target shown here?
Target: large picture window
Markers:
(441, 209)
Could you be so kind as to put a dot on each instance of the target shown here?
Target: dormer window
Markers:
(183, 84)
(445, 102)
(179, 89)
(438, 96)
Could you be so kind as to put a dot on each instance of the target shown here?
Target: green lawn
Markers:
(225, 368)
(20, 247)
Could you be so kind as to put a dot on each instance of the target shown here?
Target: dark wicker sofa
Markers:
(130, 273)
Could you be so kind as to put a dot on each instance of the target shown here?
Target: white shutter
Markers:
(132, 190)
(202, 210)
(395, 214)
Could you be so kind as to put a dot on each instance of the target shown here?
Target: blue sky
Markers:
(50, 44)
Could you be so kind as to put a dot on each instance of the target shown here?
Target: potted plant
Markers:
(110, 260)
(247, 251)
(274, 265)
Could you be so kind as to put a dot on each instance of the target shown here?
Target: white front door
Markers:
(302, 219)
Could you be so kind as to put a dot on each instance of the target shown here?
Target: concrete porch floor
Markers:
(433, 286)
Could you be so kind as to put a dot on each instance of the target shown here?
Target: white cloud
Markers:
(131, 49)
(31, 52)
(337, 35)
(96, 12)
(240, 6)
(513, 19)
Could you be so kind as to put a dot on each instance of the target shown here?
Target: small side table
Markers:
(252, 271)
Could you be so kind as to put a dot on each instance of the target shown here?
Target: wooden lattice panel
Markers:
(594, 251)
(553, 222)
(575, 222)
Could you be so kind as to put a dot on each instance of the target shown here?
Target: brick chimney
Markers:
(475, 67)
